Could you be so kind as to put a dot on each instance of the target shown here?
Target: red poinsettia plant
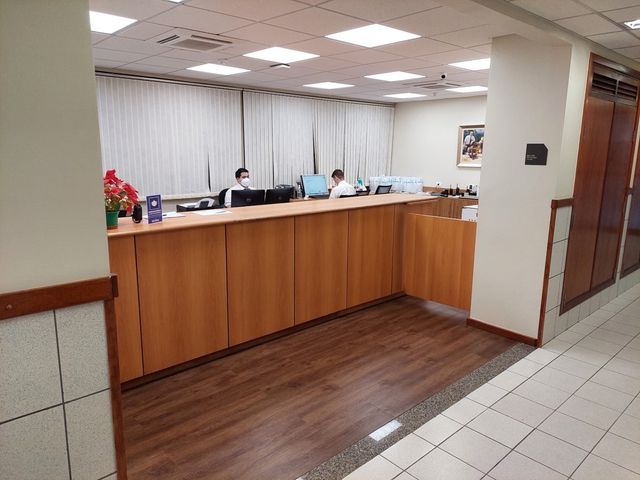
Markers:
(118, 194)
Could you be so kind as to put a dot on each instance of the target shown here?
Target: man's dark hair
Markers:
(337, 173)
(240, 171)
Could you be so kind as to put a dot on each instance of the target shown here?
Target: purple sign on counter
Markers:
(154, 208)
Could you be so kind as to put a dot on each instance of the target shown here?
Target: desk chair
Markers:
(348, 196)
(221, 195)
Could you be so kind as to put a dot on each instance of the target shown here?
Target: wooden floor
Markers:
(276, 411)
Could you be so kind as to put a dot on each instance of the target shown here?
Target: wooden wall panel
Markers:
(399, 218)
(183, 295)
(438, 259)
(614, 194)
(122, 261)
(370, 254)
(587, 195)
(260, 278)
(428, 207)
(320, 264)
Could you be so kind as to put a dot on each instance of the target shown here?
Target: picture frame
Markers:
(470, 146)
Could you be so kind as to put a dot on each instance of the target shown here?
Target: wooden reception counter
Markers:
(195, 285)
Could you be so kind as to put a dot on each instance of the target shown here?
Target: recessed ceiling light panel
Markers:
(373, 36)
(633, 24)
(405, 95)
(394, 76)
(481, 64)
(328, 85)
(280, 55)
(218, 69)
(475, 88)
(107, 23)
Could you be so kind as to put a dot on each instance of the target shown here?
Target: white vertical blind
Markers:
(328, 135)
(167, 138)
(258, 138)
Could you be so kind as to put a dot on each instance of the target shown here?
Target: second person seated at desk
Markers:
(342, 188)
(243, 183)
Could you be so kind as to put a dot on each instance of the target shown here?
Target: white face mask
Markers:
(245, 182)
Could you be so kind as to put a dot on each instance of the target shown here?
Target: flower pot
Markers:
(112, 219)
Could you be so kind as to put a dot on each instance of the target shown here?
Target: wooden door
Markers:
(631, 256)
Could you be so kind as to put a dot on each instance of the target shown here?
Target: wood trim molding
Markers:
(561, 202)
(566, 306)
(25, 302)
(545, 281)
(595, 58)
(471, 322)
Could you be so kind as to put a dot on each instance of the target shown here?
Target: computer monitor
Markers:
(383, 189)
(278, 195)
(314, 185)
(246, 198)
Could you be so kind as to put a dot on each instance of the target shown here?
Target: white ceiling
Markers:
(447, 36)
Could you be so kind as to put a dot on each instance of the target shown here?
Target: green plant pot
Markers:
(112, 219)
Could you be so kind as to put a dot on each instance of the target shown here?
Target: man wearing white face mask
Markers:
(244, 183)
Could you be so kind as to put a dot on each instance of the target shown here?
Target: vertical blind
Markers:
(186, 140)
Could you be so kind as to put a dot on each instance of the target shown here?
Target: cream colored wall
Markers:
(51, 211)
(425, 139)
(526, 104)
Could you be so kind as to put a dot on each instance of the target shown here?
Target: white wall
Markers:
(526, 104)
(51, 203)
(425, 139)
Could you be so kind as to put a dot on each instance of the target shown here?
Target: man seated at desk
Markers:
(342, 188)
(244, 183)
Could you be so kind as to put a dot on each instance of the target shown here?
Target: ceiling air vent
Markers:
(191, 40)
(625, 90)
(603, 84)
(436, 85)
(614, 86)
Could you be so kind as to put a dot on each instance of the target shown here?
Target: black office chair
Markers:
(221, 195)
(383, 189)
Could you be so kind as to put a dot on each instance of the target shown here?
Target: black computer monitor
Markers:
(246, 198)
(278, 195)
(314, 185)
(383, 189)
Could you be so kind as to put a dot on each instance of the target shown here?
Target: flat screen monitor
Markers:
(383, 189)
(278, 195)
(314, 185)
(246, 198)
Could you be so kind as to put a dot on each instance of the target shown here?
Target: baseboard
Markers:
(472, 322)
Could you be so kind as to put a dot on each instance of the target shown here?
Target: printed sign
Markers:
(536, 154)
(154, 208)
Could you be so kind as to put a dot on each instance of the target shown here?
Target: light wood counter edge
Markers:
(260, 212)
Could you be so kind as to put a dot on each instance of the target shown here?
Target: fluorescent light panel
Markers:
(328, 85)
(217, 69)
(372, 36)
(175, 1)
(475, 88)
(481, 64)
(280, 55)
(107, 23)
(394, 76)
(633, 24)
(405, 95)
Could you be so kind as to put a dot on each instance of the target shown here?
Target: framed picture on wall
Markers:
(470, 144)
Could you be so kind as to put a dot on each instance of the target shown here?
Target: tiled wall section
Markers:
(55, 403)
(555, 324)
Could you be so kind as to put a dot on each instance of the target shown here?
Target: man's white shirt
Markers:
(227, 196)
(343, 188)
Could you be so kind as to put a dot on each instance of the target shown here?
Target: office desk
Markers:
(195, 285)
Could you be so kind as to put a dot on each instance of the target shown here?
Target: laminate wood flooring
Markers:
(277, 410)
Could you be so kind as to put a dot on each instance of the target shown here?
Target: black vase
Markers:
(136, 216)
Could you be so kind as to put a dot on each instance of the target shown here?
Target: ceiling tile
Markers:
(240, 47)
(552, 9)
(98, 37)
(453, 56)
(434, 22)
(367, 55)
(135, 46)
(268, 34)
(588, 25)
(486, 48)
(417, 47)
(161, 61)
(240, 61)
(184, 16)
(295, 71)
(323, 46)
(616, 39)
(473, 36)
(328, 64)
(403, 65)
(138, 9)
(99, 62)
(624, 14)
(379, 10)
(255, 79)
(257, 10)
(114, 55)
(143, 31)
(139, 67)
(631, 52)
(201, 57)
(317, 21)
(602, 5)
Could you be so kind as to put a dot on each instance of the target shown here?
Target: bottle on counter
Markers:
(457, 190)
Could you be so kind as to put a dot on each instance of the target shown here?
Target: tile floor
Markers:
(568, 410)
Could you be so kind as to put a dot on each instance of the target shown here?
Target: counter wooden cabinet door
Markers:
(122, 261)
(183, 295)
(320, 264)
(260, 256)
(370, 254)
